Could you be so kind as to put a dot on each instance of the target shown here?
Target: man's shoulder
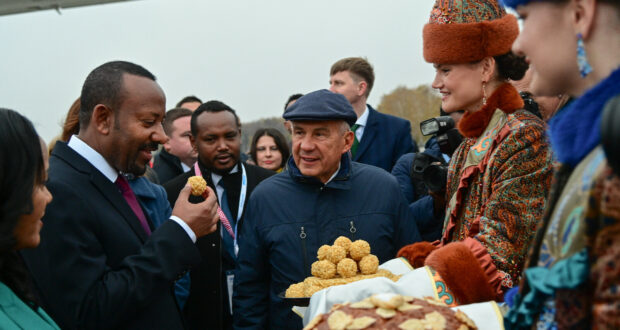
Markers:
(258, 172)
(62, 172)
(143, 186)
(166, 165)
(370, 174)
(164, 157)
(275, 183)
(389, 119)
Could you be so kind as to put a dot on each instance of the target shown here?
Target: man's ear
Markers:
(166, 145)
(102, 119)
(362, 87)
(348, 141)
(192, 140)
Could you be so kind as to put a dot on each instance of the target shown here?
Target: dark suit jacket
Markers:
(167, 166)
(96, 268)
(207, 304)
(385, 139)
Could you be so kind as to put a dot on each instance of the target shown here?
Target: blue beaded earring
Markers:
(582, 60)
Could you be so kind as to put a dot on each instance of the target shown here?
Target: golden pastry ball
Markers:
(347, 267)
(309, 290)
(295, 291)
(199, 185)
(323, 269)
(369, 264)
(321, 254)
(359, 249)
(335, 253)
(343, 241)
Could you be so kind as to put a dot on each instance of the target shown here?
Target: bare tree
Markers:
(414, 104)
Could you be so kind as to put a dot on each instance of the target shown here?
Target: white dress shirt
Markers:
(185, 167)
(216, 179)
(361, 124)
(102, 165)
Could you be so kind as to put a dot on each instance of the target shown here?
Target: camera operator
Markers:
(426, 196)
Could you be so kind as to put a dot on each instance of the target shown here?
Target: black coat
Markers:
(167, 166)
(96, 268)
(207, 304)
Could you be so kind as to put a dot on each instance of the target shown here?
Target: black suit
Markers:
(167, 166)
(207, 304)
(385, 139)
(96, 268)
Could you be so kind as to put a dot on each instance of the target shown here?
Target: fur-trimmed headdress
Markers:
(463, 31)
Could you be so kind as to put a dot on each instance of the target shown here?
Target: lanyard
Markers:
(223, 219)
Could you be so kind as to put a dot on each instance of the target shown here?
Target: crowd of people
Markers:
(518, 203)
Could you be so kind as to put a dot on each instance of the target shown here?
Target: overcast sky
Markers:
(249, 54)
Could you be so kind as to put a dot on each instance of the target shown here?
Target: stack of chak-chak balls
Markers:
(345, 258)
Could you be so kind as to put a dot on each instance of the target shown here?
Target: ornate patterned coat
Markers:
(498, 182)
(497, 188)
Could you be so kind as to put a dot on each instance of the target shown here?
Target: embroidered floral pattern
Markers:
(503, 200)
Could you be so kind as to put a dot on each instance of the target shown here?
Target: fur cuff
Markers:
(416, 253)
(462, 273)
(505, 98)
(468, 42)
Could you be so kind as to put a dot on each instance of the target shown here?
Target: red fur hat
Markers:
(463, 31)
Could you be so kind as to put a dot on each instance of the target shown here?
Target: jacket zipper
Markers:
(353, 230)
(303, 235)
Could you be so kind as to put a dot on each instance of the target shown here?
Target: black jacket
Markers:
(207, 305)
(167, 166)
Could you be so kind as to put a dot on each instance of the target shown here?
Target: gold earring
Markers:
(484, 93)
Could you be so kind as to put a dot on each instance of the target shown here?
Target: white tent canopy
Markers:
(8, 7)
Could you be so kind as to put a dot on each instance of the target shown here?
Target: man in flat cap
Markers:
(322, 196)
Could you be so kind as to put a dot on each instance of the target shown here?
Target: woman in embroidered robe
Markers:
(573, 278)
(498, 178)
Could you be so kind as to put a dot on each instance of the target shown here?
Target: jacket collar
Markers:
(576, 130)
(340, 181)
(100, 182)
(369, 132)
(505, 98)
(170, 158)
(141, 187)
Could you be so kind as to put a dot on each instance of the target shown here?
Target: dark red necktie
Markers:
(130, 197)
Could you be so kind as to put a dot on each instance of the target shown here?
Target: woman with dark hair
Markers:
(499, 176)
(573, 275)
(269, 149)
(23, 198)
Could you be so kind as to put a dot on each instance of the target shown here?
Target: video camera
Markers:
(448, 137)
(429, 167)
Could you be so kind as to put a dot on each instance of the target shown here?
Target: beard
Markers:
(211, 164)
(133, 166)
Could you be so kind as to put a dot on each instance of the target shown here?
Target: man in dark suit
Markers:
(101, 264)
(216, 135)
(177, 155)
(380, 139)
